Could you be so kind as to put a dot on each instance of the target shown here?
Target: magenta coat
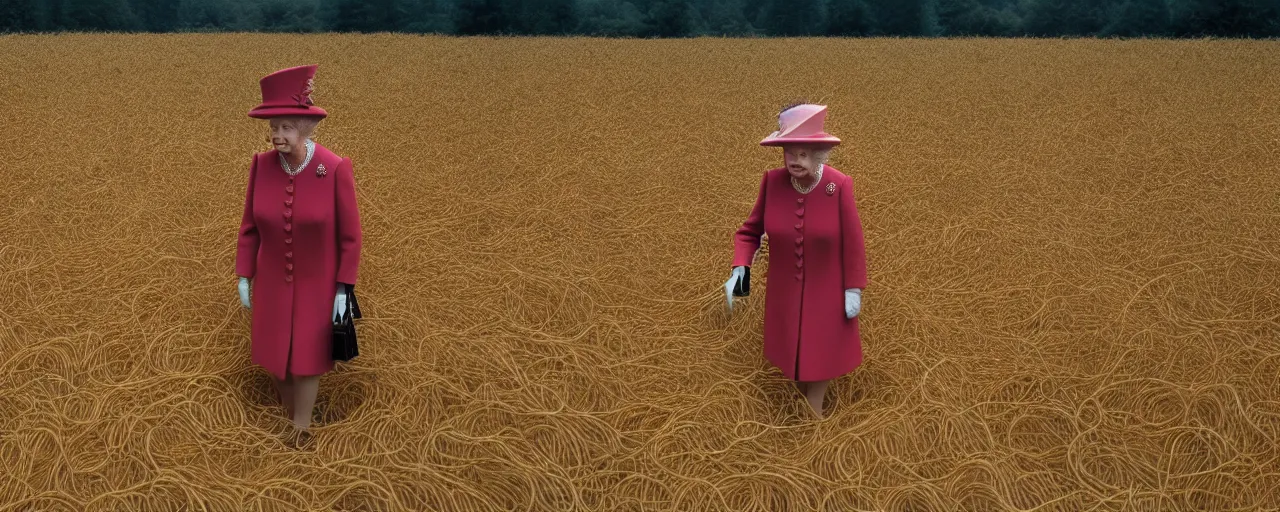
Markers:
(815, 253)
(300, 237)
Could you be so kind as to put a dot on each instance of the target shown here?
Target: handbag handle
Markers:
(352, 310)
(353, 306)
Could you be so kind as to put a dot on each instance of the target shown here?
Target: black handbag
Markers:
(743, 287)
(344, 329)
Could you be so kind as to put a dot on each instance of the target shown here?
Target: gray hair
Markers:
(306, 124)
(822, 154)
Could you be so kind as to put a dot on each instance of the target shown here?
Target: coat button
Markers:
(288, 267)
(288, 228)
(288, 279)
(799, 240)
(799, 225)
(288, 241)
(288, 202)
(800, 212)
(799, 252)
(799, 277)
(800, 200)
(799, 264)
(289, 189)
(288, 255)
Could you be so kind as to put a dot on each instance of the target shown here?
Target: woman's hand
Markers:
(244, 292)
(735, 275)
(339, 303)
(852, 302)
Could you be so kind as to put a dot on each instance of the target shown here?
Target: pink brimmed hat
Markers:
(802, 124)
(288, 93)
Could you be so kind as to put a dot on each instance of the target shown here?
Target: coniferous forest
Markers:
(661, 18)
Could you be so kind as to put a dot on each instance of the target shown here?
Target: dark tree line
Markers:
(660, 18)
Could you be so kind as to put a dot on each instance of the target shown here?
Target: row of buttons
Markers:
(800, 239)
(288, 229)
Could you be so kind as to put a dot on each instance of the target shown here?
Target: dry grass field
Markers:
(1074, 299)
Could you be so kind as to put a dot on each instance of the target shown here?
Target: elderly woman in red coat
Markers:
(817, 264)
(299, 242)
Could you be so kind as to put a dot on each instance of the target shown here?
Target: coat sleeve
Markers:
(747, 239)
(248, 239)
(852, 246)
(348, 221)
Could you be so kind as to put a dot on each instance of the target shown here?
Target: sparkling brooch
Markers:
(320, 170)
(831, 188)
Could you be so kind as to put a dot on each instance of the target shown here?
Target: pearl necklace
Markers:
(311, 150)
(805, 190)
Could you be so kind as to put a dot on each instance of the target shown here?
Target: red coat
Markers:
(300, 237)
(815, 253)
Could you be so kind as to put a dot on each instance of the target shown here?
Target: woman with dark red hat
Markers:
(299, 243)
(817, 263)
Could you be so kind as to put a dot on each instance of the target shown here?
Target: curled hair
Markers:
(306, 125)
(822, 155)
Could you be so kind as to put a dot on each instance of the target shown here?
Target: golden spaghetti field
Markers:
(1074, 254)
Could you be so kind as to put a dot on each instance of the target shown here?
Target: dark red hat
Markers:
(288, 93)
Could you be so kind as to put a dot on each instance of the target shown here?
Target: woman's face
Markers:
(802, 161)
(288, 134)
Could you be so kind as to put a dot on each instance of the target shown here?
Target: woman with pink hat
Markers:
(817, 260)
(299, 243)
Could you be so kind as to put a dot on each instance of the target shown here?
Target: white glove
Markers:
(852, 302)
(339, 303)
(244, 292)
(734, 276)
